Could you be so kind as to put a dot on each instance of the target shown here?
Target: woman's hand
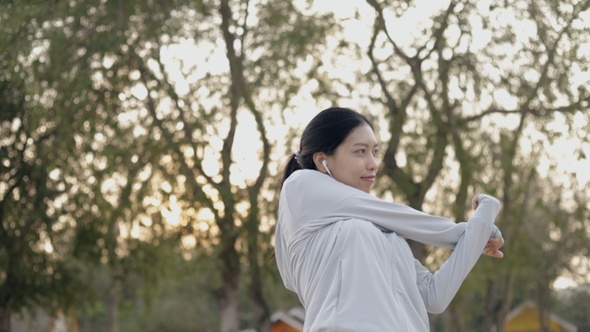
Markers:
(494, 244)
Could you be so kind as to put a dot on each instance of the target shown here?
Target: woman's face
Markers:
(354, 161)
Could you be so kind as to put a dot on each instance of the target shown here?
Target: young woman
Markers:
(344, 251)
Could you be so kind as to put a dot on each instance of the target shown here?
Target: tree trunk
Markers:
(113, 306)
(229, 303)
(228, 295)
(457, 320)
(543, 306)
(4, 320)
(506, 302)
(490, 313)
(259, 309)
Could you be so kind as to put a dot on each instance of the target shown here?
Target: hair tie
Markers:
(297, 155)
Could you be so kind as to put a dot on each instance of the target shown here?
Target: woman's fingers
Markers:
(496, 254)
(492, 247)
(496, 242)
(492, 252)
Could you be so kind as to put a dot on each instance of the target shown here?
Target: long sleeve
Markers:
(439, 288)
(316, 200)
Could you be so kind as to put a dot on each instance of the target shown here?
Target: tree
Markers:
(233, 231)
(153, 153)
(466, 75)
(71, 176)
(33, 270)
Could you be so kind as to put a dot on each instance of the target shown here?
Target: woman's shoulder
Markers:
(305, 173)
(307, 186)
(304, 177)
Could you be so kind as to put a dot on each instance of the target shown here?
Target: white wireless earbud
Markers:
(326, 167)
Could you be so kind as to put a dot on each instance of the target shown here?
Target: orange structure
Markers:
(290, 321)
(525, 318)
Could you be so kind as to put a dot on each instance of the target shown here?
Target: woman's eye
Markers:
(361, 151)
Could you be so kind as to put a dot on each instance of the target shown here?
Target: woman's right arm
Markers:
(438, 289)
(319, 200)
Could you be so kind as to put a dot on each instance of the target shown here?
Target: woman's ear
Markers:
(318, 157)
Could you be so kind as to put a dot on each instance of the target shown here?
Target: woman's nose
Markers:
(372, 162)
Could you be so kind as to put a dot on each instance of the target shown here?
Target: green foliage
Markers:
(572, 304)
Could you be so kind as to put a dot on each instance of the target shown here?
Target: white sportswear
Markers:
(344, 253)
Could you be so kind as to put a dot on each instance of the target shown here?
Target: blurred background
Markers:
(141, 147)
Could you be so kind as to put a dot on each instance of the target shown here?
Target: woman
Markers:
(344, 251)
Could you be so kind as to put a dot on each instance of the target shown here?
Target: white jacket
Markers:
(352, 276)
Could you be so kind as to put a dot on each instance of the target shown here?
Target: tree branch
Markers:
(185, 169)
(579, 105)
(380, 23)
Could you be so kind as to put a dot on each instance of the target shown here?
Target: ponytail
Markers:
(291, 166)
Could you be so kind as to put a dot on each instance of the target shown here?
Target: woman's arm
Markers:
(317, 200)
(439, 288)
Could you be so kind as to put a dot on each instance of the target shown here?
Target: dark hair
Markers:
(324, 133)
